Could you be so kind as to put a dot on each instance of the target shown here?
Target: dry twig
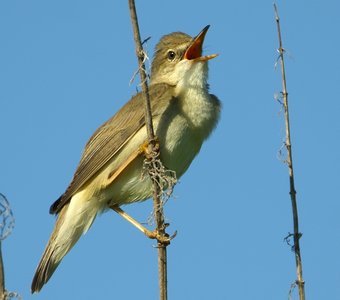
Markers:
(6, 227)
(296, 247)
(2, 277)
(158, 208)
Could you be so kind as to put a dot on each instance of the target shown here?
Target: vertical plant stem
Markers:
(158, 209)
(300, 282)
(2, 276)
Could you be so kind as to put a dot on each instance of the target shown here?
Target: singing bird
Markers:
(184, 114)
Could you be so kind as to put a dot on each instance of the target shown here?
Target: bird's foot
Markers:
(150, 149)
(162, 237)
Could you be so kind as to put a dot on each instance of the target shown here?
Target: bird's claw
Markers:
(150, 149)
(162, 237)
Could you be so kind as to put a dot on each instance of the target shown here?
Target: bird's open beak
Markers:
(194, 51)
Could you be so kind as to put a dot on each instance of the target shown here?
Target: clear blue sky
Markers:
(65, 68)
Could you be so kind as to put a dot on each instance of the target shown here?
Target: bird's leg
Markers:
(150, 150)
(164, 239)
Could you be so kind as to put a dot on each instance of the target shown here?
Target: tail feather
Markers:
(74, 219)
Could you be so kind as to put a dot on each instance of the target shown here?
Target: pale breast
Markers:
(181, 131)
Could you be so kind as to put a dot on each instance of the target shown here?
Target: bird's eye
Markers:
(171, 55)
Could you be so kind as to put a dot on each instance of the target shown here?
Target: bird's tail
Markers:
(74, 219)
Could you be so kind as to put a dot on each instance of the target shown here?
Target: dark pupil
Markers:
(171, 55)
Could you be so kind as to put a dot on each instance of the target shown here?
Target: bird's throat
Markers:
(196, 105)
(192, 91)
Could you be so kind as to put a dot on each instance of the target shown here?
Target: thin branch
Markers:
(2, 277)
(158, 208)
(6, 226)
(299, 282)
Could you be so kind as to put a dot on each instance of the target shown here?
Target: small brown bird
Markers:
(109, 173)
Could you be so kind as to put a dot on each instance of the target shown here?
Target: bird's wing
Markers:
(112, 136)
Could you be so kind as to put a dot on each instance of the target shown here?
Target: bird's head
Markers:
(178, 60)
